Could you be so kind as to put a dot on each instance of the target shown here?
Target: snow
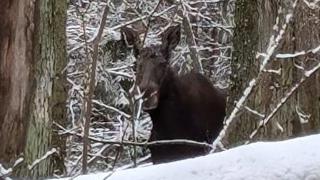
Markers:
(284, 56)
(295, 159)
(5, 172)
(37, 161)
(315, 50)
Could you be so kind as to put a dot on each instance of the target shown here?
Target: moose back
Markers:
(181, 106)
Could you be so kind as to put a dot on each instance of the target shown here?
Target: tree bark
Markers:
(16, 37)
(254, 27)
(243, 66)
(32, 59)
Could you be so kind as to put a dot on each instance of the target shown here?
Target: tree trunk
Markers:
(32, 59)
(242, 65)
(254, 27)
(15, 76)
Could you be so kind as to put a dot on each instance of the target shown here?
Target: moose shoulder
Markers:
(181, 106)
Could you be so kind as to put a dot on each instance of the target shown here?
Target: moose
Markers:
(180, 106)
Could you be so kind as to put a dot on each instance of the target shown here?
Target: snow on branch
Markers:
(45, 156)
(111, 108)
(130, 143)
(312, 5)
(274, 41)
(303, 117)
(296, 54)
(4, 173)
(116, 27)
(254, 112)
(191, 40)
(142, 18)
(285, 98)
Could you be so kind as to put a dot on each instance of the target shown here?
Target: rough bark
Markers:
(16, 31)
(32, 59)
(307, 36)
(254, 27)
(48, 102)
(245, 47)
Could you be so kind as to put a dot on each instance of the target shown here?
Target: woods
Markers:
(71, 96)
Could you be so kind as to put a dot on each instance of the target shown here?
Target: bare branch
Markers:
(284, 99)
(91, 88)
(191, 41)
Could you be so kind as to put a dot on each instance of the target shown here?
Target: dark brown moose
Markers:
(181, 106)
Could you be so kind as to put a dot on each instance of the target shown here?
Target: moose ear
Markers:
(170, 38)
(131, 39)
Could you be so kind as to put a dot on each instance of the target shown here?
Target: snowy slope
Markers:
(296, 159)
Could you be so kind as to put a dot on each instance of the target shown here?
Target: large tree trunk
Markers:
(32, 59)
(254, 26)
(245, 46)
(16, 63)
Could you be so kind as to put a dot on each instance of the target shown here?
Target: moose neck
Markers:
(168, 84)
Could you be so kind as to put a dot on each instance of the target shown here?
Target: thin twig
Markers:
(192, 44)
(142, 18)
(91, 89)
(129, 143)
(119, 148)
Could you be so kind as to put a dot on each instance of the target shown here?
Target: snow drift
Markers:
(295, 159)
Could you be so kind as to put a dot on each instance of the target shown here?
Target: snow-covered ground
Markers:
(296, 159)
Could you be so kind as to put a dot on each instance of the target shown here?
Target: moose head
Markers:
(152, 62)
